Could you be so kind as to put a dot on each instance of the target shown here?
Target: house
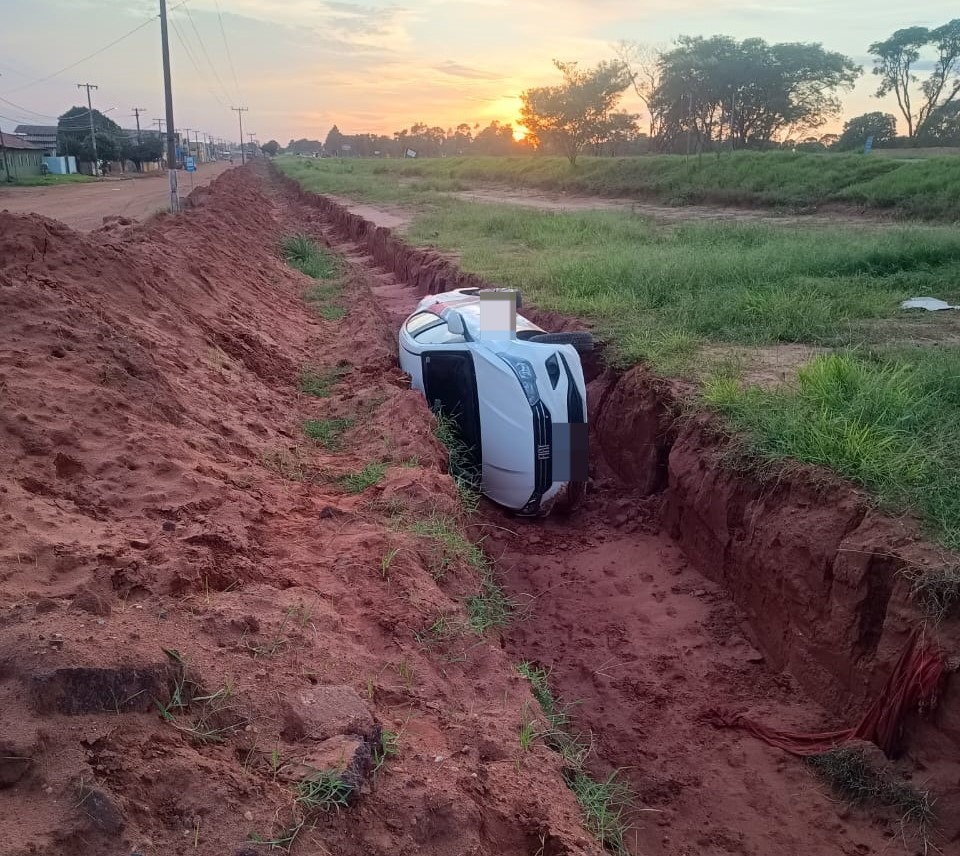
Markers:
(19, 158)
(44, 136)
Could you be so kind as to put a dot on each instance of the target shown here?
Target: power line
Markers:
(90, 56)
(223, 33)
(206, 55)
(193, 61)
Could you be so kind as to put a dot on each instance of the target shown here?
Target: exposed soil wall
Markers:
(816, 569)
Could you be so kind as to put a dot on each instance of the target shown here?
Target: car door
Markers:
(450, 386)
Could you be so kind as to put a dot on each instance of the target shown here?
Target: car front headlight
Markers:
(525, 373)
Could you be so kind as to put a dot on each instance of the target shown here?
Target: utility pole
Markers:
(187, 132)
(252, 149)
(168, 98)
(240, 112)
(93, 133)
(136, 112)
(196, 136)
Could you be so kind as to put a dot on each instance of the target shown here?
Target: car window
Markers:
(422, 321)
(439, 334)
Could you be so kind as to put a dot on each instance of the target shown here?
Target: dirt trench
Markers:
(685, 588)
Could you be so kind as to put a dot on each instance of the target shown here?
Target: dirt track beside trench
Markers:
(158, 493)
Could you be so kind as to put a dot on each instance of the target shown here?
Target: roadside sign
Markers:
(410, 153)
(189, 164)
(868, 146)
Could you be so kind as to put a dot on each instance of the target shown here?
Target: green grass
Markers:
(660, 292)
(309, 258)
(359, 481)
(793, 180)
(851, 776)
(320, 382)
(326, 790)
(328, 432)
(603, 804)
(48, 180)
(460, 462)
(890, 422)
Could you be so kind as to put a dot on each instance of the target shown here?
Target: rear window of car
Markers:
(422, 321)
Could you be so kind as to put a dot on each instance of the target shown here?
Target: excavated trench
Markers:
(686, 591)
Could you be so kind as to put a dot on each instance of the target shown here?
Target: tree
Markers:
(571, 115)
(149, 149)
(943, 127)
(73, 135)
(334, 141)
(271, 148)
(894, 62)
(643, 66)
(748, 92)
(496, 139)
(881, 126)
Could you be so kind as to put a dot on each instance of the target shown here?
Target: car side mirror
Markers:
(455, 323)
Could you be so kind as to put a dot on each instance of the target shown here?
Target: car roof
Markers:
(468, 305)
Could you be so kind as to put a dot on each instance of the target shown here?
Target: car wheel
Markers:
(580, 339)
(570, 498)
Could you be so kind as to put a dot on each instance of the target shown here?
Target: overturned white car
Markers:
(516, 393)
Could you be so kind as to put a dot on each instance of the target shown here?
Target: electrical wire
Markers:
(203, 47)
(193, 61)
(226, 46)
(89, 56)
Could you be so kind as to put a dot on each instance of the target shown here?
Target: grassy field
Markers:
(927, 189)
(877, 408)
(48, 180)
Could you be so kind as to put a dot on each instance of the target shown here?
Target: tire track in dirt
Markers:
(647, 649)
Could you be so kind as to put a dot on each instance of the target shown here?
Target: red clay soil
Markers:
(195, 612)
(685, 593)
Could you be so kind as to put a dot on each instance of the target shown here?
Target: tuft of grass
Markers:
(889, 421)
(283, 840)
(367, 477)
(320, 383)
(449, 544)
(328, 432)
(287, 463)
(443, 629)
(604, 804)
(206, 717)
(387, 561)
(936, 589)
(461, 462)
(492, 607)
(308, 257)
(325, 790)
(851, 776)
(389, 747)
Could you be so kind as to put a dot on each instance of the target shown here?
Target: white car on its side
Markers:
(518, 398)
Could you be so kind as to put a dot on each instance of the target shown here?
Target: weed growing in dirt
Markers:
(461, 463)
(443, 629)
(937, 590)
(389, 747)
(367, 477)
(603, 804)
(326, 790)
(387, 561)
(308, 257)
(206, 717)
(320, 383)
(851, 776)
(328, 432)
(491, 607)
(449, 544)
(529, 729)
(558, 716)
(286, 463)
(283, 840)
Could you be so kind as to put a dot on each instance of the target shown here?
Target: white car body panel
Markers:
(508, 420)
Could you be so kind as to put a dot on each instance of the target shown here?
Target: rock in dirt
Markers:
(318, 713)
(79, 689)
(89, 601)
(14, 764)
(101, 811)
(348, 754)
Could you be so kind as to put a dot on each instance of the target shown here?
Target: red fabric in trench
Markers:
(913, 685)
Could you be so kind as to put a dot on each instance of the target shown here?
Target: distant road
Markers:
(83, 206)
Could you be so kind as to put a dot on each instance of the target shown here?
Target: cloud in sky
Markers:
(379, 65)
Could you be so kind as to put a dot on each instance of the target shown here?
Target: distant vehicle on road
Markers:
(518, 399)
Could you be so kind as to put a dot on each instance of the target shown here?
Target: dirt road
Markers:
(83, 206)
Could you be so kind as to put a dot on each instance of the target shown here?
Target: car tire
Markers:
(571, 499)
(580, 339)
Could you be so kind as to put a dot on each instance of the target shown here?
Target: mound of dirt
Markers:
(198, 617)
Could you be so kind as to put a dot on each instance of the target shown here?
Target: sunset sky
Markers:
(301, 65)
